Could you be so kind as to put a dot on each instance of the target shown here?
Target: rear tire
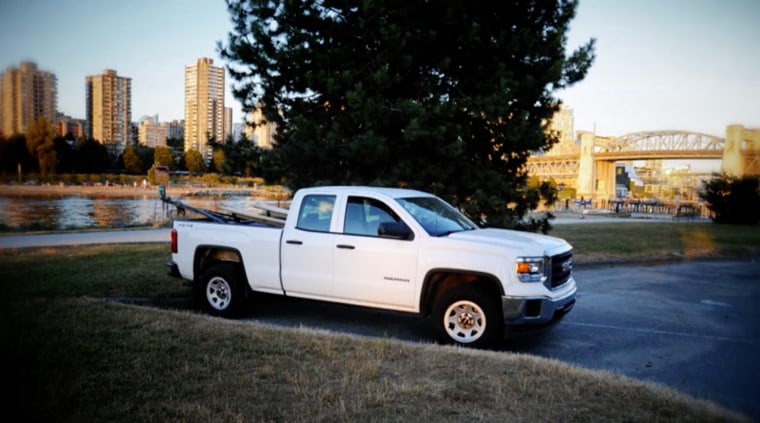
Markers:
(221, 290)
(466, 316)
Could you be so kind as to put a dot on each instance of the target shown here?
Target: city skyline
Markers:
(688, 65)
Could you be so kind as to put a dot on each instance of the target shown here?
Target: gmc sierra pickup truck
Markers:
(393, 249)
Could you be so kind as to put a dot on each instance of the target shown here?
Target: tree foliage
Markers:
(92, 156)
(40, 136)
(240, 158)
(13, 153)
(218, 159)
(446, 96)
(733, 199)
(51, 155)
(194, 161)
(65, 154)
(162, 156)
(132, 162)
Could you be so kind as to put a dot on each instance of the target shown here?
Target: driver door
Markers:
(371, 270)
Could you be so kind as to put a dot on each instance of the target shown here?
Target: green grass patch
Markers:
(634, 241)
(98, 271)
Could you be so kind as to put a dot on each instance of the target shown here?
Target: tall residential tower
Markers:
(260, 131)
(109, 110)
(204, 105)
(26, 94)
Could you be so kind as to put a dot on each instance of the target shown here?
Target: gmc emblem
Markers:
(567, 266)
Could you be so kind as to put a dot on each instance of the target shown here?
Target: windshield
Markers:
(436, 216)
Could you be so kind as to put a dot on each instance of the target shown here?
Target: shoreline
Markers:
(116, 191)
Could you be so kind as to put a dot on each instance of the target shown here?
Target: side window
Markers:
(364, 215)
(316, 213)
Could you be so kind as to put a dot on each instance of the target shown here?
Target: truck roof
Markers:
(359, 190)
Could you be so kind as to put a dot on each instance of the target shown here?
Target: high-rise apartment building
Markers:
(175, 129)
(227, 123)
(151, 133)
(68, 126)
(109, 110)
(26, 94)
(260, 131)
(204, 105)
(562, 123)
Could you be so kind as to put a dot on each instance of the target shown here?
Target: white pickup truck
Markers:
(394, 249)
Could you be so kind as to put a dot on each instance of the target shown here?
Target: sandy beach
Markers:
(72, 190)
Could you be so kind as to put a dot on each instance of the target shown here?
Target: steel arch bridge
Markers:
(660, 145)
(591, 167)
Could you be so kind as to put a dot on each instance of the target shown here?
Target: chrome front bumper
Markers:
(536, 311)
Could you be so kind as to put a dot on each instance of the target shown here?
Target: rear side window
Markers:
(316, 213)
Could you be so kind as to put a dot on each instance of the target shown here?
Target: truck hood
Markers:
(526, 242)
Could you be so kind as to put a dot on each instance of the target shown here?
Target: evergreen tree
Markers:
(447, 96)
(732, 199)
(241, 158)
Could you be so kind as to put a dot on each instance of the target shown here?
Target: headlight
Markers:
(531, 269)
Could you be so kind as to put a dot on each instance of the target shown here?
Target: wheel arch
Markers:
(209, 255)
(438, 281)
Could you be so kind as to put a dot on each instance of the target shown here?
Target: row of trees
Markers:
(241, 158)
(731, 199)
(41, 151)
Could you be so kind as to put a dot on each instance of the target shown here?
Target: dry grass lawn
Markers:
(69, 355)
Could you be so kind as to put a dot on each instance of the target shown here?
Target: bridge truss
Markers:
(660, 145)
(635, 146)
(562, 168)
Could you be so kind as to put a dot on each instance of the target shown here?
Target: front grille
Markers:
(562, 269)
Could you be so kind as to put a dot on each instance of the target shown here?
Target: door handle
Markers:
(346, 246)
(294, 242)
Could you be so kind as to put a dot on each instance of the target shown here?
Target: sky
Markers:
(691, 65)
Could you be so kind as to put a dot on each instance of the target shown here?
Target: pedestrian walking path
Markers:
(164, 234)
(80, 238)
(591, 217)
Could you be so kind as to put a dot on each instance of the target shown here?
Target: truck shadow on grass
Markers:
(350, 320)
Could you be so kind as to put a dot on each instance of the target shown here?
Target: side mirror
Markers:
(395, 230)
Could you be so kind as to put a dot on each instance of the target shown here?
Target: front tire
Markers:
(221, 290)
(466, 316)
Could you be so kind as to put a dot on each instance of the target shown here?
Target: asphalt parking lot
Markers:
(694, 326)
